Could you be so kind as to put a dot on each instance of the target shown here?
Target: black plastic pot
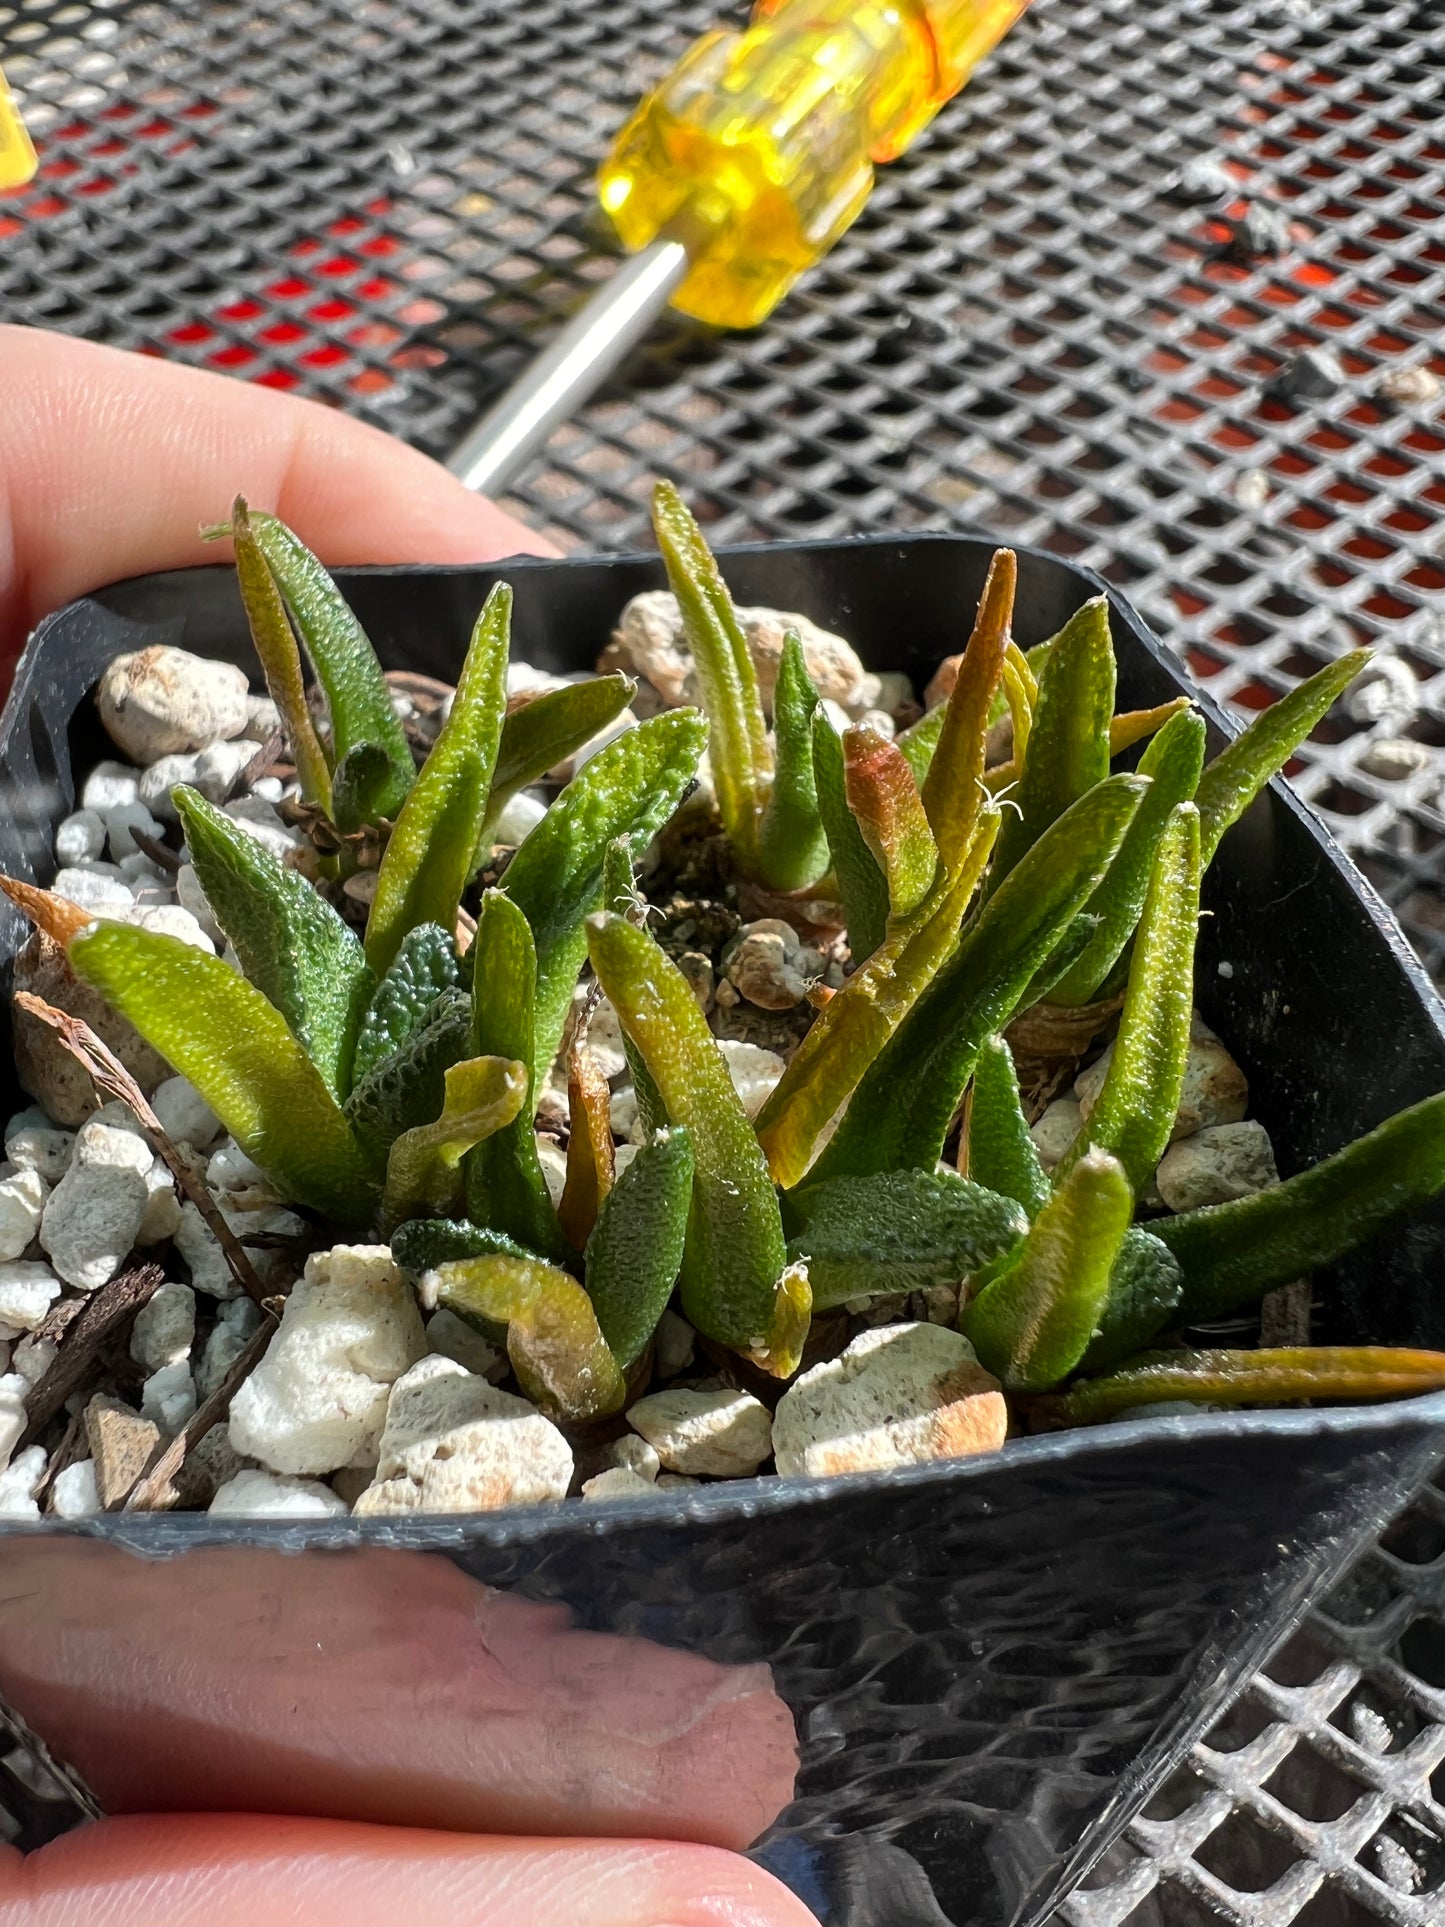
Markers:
(990, 1662)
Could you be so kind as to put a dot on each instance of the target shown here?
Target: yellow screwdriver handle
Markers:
(764, 141)
(17, 155)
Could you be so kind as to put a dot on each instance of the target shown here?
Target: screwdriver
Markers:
(735, 176)
(17, 155)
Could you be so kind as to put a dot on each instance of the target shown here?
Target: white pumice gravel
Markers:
(79, 837)
(258, 819)
(22, 1203)
(156, 783)
(616, 1483)
(1056, 1130)
(162, 700)
(722, 1434)
(121, 823)
(13, 1390)
(109, 783)
(448, 1336)
(74, 1493)
(33, 1357)
(19, 1483)
(553, 1160)
(254, 1494)
(168, 1397)
(91, 1220)
(519, 816)
(632, 1453)
(33, 1143)
(27, 1291)
(318, 1399)
(237, 1322)
(206, 1262)
(170, 920)
(165, 1328)
(219, 766)
(101, 895)
(755, 1071)
(185, 1116)
(604, 1036)
(1216, 1165)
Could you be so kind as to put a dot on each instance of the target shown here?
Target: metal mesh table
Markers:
(1075, 315)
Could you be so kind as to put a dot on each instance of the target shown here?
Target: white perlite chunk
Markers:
(27, 1291)
(168, 1397)
(33, 1357)
(1222, 1162)
(257, 819)
(616, 1483)
(1056, 1130)
(79, 837)
(13, 1390)
(22, 1203)
(121, 823)
(157, 782)
(102, 895)
(74, 1493)
(185, 1116)
(33, 1143)
(318, 1399)
(1216, 1090)
(454, 1443)
(720, 1435)
(170, 920)
(165, 1328)
(109, 783)
(899, 1395)
(91, 1220)
(448, 1336)
(755, 1072)
(254, 1494)
(206, 1261)
(161, 701)
(519, 816)
(19, 1482)
(633, 1454)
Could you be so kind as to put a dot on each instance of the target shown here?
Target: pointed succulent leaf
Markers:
(1232, 1254)
(628, 789)
(861, 883)
(1268, 1377)
(428, 859)
(1237, 775)
(1002, 1155)
(220, 1032)
(422, 1244)
(1133, 1118)
(357, 696)
(899, 1116)
(590, 1161)
(727, 677)
(363, 788)
(1022, 693)
(1032, 1321)
(919, 742)
(423, 1168)
(505, 1185)
(1069, 742)
(423, 967)
(619, 886)
(635, 1252)
(408, 1088)
(280, 658)
(792, 844)
(884, 802)
(557, 1350)
(547, 730)
(292, 945)
(1133, 726)
(953, 790)
(1145, 1287)
(733, 1265)
(1172, 762)
(897, 1231)
(854, 1025)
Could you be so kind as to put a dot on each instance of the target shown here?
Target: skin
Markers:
(109, 466)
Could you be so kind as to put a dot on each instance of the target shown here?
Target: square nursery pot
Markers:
(988, 1663)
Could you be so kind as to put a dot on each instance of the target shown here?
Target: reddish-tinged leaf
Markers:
(886, 805)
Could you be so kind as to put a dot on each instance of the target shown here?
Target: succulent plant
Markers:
(390, 1081)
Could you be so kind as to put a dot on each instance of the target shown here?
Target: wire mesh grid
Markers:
(1164, 290)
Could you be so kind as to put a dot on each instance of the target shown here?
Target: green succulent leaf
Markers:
(953, 791)
(557, 1349)
(1172, 762)
(899, 1115)
(424, 966)
(1039, 1307)
(292, 945)
(741, 765)
(1232, 1254)
(357, 695)
(792, 844)
(897, 1231)
(363, 788)
(1001, 1153)
(408, 1088)
(280, 658)
(236, 1048)
(628, 789)
(428, 859)
(591, 1164)
(735, 1257)
(505, 1185)
(635, 1251)
(884, 802)
(1134, 1116)
(1267, 1377)
(919, 742)
(1237, 775)
(1068, 750)
(547, 730)
(862, 885)
(1145, 1287)
(422, 1244)
(423, 1168)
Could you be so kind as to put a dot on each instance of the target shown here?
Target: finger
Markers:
(252, 1870)
(110, 464)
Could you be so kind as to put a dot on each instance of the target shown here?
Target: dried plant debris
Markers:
(723, 1065)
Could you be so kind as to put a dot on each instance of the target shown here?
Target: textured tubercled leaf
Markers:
(220, 1032)
(1145, 1287)
(853, 1026)
(953, 789)
(423, 1169)
(590, 1161)
(1232, 1254)
(547, 730)
(409, 1087)
(1001, 1154)
(897, 1231)
(861, 883)
(553, 1340)
(429, 857)
(357, 696)
(505, 1185)
(423, 967)
(635, 1252)
(1236, 776)
(628, 789)
(363, 787)
(280, 658)
(900, 1113)
(884, 802)
(741, 764)
(1267, 1377)
(1032, 1321)
(292, 945)
(421, 1244)
(733, 1265)
(919, 742)
(1133, 1118)
(792, 845)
